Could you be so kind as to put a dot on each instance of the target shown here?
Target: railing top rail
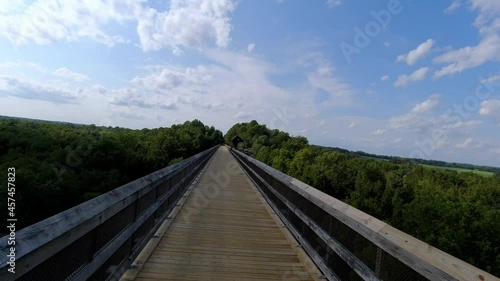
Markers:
(422, 257)
(45, 231)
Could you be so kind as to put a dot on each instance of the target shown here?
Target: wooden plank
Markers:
(232, 236)
(145, 254)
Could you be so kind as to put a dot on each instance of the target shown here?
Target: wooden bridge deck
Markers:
(223, 230)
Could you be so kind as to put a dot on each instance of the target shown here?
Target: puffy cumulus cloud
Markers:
(47, 21)
(188, 23)
(384, 78)
(233, 82)
(417, 75)
(415, 55)
(488, 48)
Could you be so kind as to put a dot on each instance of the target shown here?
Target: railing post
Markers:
(328, 249)
(380, 263)
(303, 223)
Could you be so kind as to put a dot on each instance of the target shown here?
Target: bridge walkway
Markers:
(223, 230)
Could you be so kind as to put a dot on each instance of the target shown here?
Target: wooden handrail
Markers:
(425, 259)
(40, 241)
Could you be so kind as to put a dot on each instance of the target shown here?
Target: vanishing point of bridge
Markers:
(221, 215)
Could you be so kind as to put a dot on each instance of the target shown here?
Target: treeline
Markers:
(456, 212)
(60, 165)
(430, 162)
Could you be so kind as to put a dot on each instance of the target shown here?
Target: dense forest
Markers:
(59, 165)
(456, 212)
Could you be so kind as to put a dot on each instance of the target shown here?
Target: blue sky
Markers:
(409, 78)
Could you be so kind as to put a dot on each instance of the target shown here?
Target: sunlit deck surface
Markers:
(223, 232)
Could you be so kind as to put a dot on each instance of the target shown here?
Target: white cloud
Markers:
(463, 124)
(466, 144)
(191, 23)
(177, 51)
(491, 108)
(431, 132)
(251, 47)
(420, 52)
(31, 90)
(101, 90)
(187, 23)
(63, 72)
(333, 3)
(487, 9)
(387, 44)
(427, 105)
(379, 132)
(243, 115)
(22, 69)
(168, 78)
(134, 97)
(469, 57)
(491, 79)
(418, 75)
(384, 78)
(12, 6)
(418, 117)
(495, 151)
(453, 6)
(128, 115)
(488, 48)
(44, 21)
(234, 82)
(323, 78)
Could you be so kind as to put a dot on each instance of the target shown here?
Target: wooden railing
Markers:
(98, 239)
(348, 244)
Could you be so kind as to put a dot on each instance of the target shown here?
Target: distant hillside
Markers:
(398, 159)
(2, 117)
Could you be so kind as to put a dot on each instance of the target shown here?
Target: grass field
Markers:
(461, 170)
